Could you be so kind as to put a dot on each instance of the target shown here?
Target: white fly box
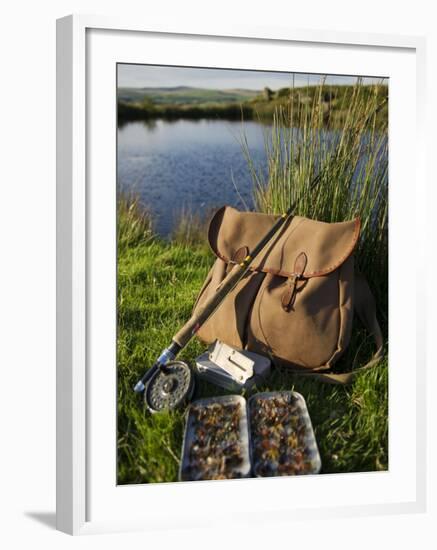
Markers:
(232, 369)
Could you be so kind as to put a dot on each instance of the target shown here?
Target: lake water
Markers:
(187, 165)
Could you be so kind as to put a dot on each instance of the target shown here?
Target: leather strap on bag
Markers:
(365, 308)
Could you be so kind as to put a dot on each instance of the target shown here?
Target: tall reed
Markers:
(352, 161)
(190, 228)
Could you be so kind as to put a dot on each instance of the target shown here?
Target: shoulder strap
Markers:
(365, 308)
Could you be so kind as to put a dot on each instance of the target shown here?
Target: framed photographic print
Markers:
(237, 318)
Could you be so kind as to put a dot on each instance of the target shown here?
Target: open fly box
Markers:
(271, 436)
(233, 369)
(282, 440)
(216, 440)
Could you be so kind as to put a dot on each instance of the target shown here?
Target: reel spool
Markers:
(171, 387)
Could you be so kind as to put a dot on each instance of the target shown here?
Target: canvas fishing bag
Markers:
(296, 302)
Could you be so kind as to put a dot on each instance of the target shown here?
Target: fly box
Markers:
(216, 440)
(232, 369)
(282, 440)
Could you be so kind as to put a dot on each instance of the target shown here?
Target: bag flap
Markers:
(326, 245)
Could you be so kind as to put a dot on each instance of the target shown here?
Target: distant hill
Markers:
(183, 102)
(184, 95)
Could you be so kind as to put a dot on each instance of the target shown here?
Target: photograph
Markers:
(252, 273)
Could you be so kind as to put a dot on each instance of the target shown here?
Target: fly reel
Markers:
(171, 387)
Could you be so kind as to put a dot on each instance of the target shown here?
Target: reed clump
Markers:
(190, 228)
(352, 161)
(134, 222)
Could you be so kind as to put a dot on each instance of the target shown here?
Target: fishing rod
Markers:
(168, 383)
(188, 331)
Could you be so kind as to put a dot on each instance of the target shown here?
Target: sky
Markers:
(139, 76)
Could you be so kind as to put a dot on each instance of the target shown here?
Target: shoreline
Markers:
(332, 103)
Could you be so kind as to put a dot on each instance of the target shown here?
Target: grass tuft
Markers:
(190, 228)
(134, 223)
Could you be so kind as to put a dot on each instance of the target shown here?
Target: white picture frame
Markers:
(79, 38)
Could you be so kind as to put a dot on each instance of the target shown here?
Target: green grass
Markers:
(157, 284)
(183, 95)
